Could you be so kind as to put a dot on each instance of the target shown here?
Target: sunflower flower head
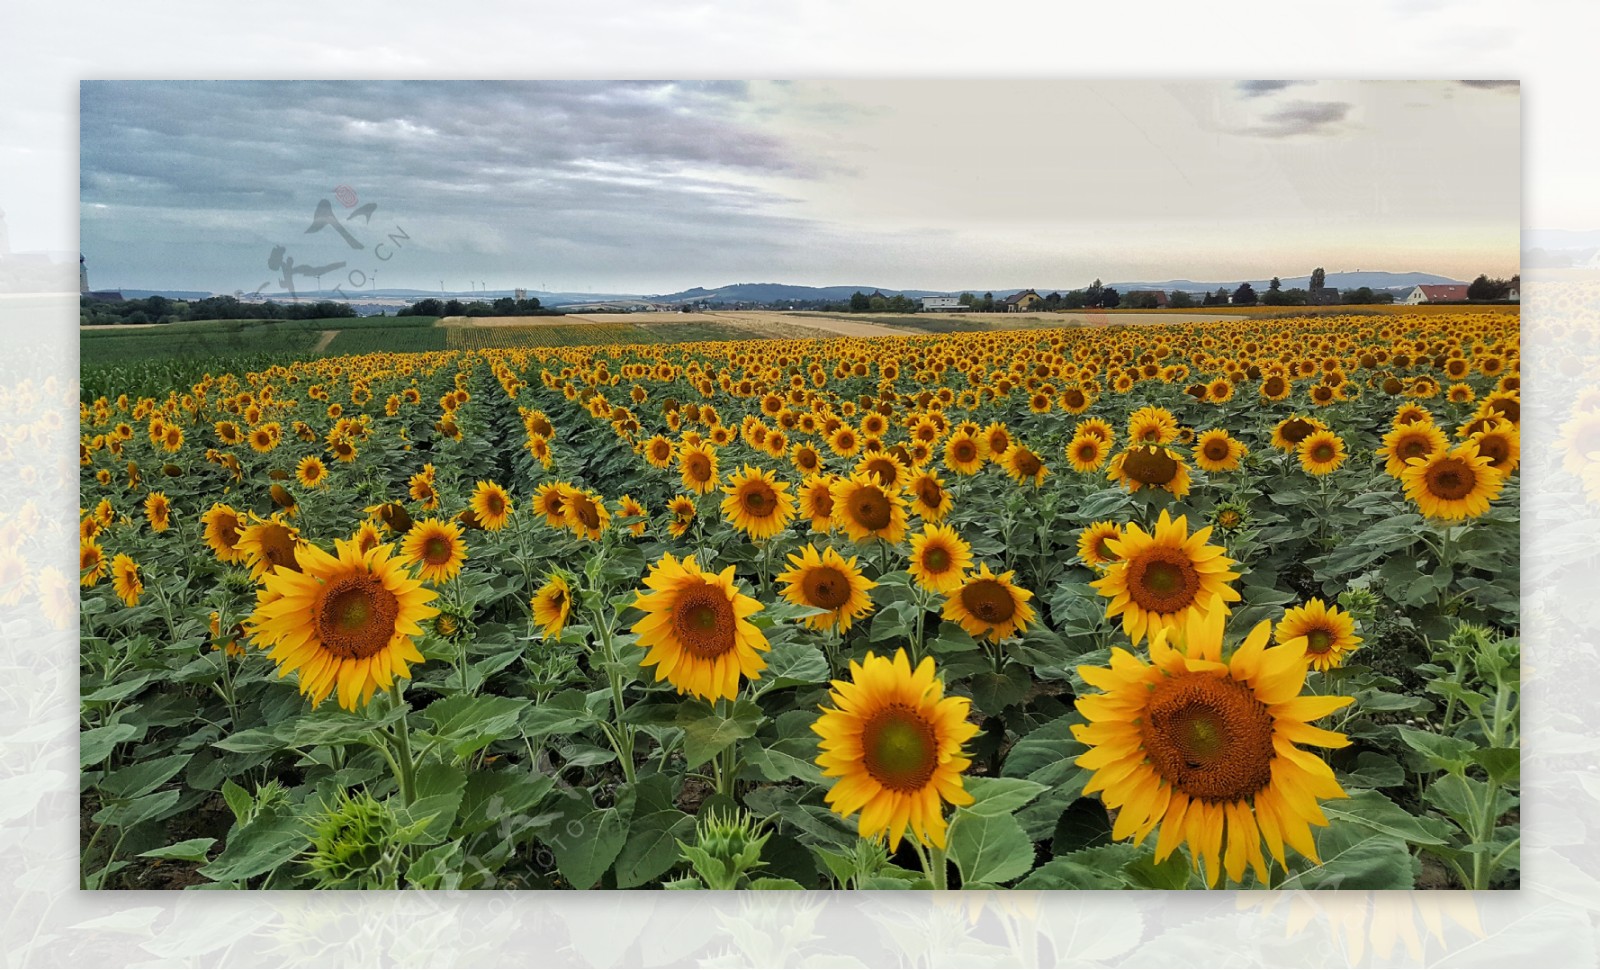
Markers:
(696, 629)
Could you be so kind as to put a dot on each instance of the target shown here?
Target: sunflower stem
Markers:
(624, 739)
(402, 736)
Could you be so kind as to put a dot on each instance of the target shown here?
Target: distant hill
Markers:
(1344, 281)
(777, 292)
(169, 294)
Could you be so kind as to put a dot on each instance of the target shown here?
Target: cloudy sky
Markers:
(654, 187)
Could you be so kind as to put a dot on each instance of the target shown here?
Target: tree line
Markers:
(505, 306)
(160, 309)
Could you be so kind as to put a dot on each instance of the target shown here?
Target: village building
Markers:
(1019, 302)
(1441, 293)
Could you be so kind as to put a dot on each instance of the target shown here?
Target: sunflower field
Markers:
(1227, 604)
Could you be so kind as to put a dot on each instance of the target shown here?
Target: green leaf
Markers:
(706, 732)
(268, 841)
(774, 764)
(1503, 764)
(1084, 824)
(793, 664)
(126, 814)
(499, 798)
(564, 713)
(989, 848)
(1357, 857)
(1373, 771)
(144, 777)
(1463, 800)
(652, 845)
(1442, 753)
(586, 844)
(1000, 796)
(467, 724)
(189, 850)
(768, 883)
(239, 800)
(993, 692)
(1174, 872)
(250, 741)
(1373, 811)
(1100, 867)
(439, 790)
(95, 744)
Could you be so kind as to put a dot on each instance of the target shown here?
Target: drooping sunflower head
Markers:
(757, 503)
(368, 536)
(549, 500)
(92, 565)
(816, 501)
(1329, 633)
(1165, 576)
(436, 548)
(865, 510)
(345, 621)
(1087, 452)
(269, 544)
(885, 468)
(629, 507)
(989, 605)
(125, 580)
(1403, 442)
(1216, 451)
(492, 506)
(1094, 546)
(1410, 412)
(220, 527)
(1455, 484)
(1321, 453)
(696, 629)
(894, 743)
(940, 558)
(1205, 748)
(1289, 432)
(827, 581)
(159, 511)
(1024, 465)
(683, 511)
(586, 512)
(1501, 443)
(1150, 466)
(552, 605)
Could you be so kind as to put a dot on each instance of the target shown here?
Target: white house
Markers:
(1444, 293)
(942, 304)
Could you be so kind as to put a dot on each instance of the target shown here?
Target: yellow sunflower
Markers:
(125, 579)
(1152, 426)
(367, 536)
(1205, 749)
(697, 466)
(1288, 433)
(893, 741)
(1093, 546)
(1501, 442)
(586, 512)
(159, 511)
(1163, 577)
(549, 500)
(1403, 442)
(866, 511)
(929, 500)
(1150, 466)
(268, 544)
(1217, 451)
(436, 546)
(1321, 453)
(1024, 466)
(1328, 632)
(344, 622)
(885, 467)
(1087, 452)
(1454, 484)
(989, 605)
(757, 503)
(629, 507)
(311, 472)
(683, 512)
(552, 605)
(220, 527)
(827, 582)
(940, 558)
(658, 451)
(492, 506)
(696, 629)
(92, 565)
(964, 454)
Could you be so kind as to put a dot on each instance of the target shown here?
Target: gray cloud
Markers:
(1301, 118)
(1508, 86)
(1257, 89)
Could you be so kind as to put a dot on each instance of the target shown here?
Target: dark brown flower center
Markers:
(989, 601)
(1450, 479)
(1162, 580)
(869, 507)
(355, 616)
(704, 621)
(936, 559)
(826, 587)
(1150, 466)
(759, 499)
(899, 748)
(1209, 737)
(437, 550)
(1216, 449)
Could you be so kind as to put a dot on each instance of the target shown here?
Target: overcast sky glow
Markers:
(647, 187)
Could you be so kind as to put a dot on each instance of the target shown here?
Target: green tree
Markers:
(859, 303)
(1245, 295)
(1179, 300)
